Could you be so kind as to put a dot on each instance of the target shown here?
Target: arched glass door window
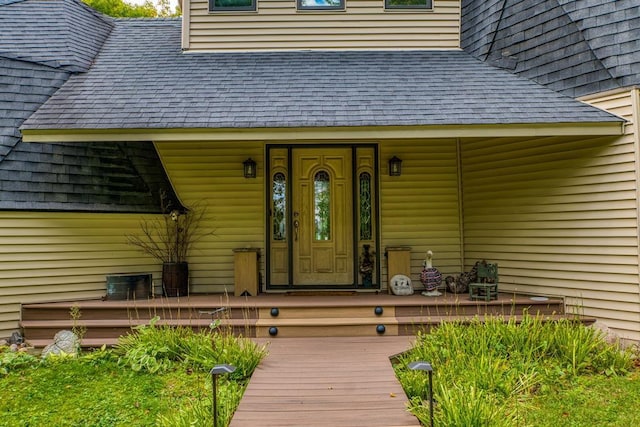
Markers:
(365, 206)
(322, 205)
(279, 192)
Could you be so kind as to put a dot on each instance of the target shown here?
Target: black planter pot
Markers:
(175, 279)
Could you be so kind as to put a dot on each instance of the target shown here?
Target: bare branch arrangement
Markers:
(169, 238)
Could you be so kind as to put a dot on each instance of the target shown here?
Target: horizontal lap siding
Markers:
(211, 174)
(63, 256)
(277, 25)
(559, 215)
(419, 209)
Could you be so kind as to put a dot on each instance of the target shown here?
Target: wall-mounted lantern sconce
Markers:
(249, 168)
(395, 166)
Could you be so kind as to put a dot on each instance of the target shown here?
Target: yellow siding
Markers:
(420, 208)
(277, 25)
(211, 174)
(559, 215)
(62, 256)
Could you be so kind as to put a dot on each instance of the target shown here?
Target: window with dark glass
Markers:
(321, 205)
(365, 206)
(231, 5)
(408, 4)
(279, 194)
(321, 4)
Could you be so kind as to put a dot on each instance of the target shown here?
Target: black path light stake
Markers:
(215, 372)
(425, 366)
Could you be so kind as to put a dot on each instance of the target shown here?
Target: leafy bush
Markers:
(15, 360)
(155, 348)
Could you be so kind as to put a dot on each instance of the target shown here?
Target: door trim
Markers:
(289, 214)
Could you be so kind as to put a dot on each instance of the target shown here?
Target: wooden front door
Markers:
(322, 217)
(322, 204)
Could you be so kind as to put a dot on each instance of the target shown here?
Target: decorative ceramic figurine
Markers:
(430, 277)
(366, 267)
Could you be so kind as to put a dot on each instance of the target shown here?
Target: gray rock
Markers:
(15, 338)
(4, 343)
(63, 342)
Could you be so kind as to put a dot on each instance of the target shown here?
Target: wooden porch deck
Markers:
(298, 315)
(327, 381)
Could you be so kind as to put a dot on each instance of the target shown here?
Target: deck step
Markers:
(274, 315)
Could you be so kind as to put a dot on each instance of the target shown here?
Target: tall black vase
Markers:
(175, 279)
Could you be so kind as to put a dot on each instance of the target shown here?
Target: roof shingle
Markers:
(142, 79)
(574, 47)
(62, 34)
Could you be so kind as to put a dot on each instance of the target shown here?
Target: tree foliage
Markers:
(123, 9)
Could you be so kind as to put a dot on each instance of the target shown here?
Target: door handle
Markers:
(296, 226)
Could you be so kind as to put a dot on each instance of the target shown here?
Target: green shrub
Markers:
(15, 360)
(155, 348)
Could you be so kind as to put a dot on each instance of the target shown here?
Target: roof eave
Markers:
(605, 128)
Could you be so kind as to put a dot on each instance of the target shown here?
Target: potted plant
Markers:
(169, 238)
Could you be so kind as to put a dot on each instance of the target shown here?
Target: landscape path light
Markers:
(215, 372)
(425, 366)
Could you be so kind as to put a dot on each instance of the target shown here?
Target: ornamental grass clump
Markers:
(486, 372)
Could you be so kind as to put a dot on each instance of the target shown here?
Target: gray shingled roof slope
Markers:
(59, 33)
(114, 177)
(142, 79)
(96, 177)
(574, 47)
(23, 88)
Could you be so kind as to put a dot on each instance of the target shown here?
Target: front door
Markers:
(322, 217)
(321, 210)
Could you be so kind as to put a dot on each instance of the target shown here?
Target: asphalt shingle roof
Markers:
(108, 177)
(142, 79)
(62, 34)
(574, 47)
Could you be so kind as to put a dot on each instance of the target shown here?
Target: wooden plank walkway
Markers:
(344, 381)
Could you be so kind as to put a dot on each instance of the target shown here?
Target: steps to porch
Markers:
(276, 315)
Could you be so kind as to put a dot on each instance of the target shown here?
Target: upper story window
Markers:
(232, 5)
(321, 4)
(408, 4)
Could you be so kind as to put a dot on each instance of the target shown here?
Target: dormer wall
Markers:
(361, 25)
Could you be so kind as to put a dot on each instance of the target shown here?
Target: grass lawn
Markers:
(593, 400)
(157, 376)
(74, 392)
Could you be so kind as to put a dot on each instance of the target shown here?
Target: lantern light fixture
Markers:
(395, 166)
(249, 167)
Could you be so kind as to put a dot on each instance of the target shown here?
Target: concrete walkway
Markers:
(329, 382)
